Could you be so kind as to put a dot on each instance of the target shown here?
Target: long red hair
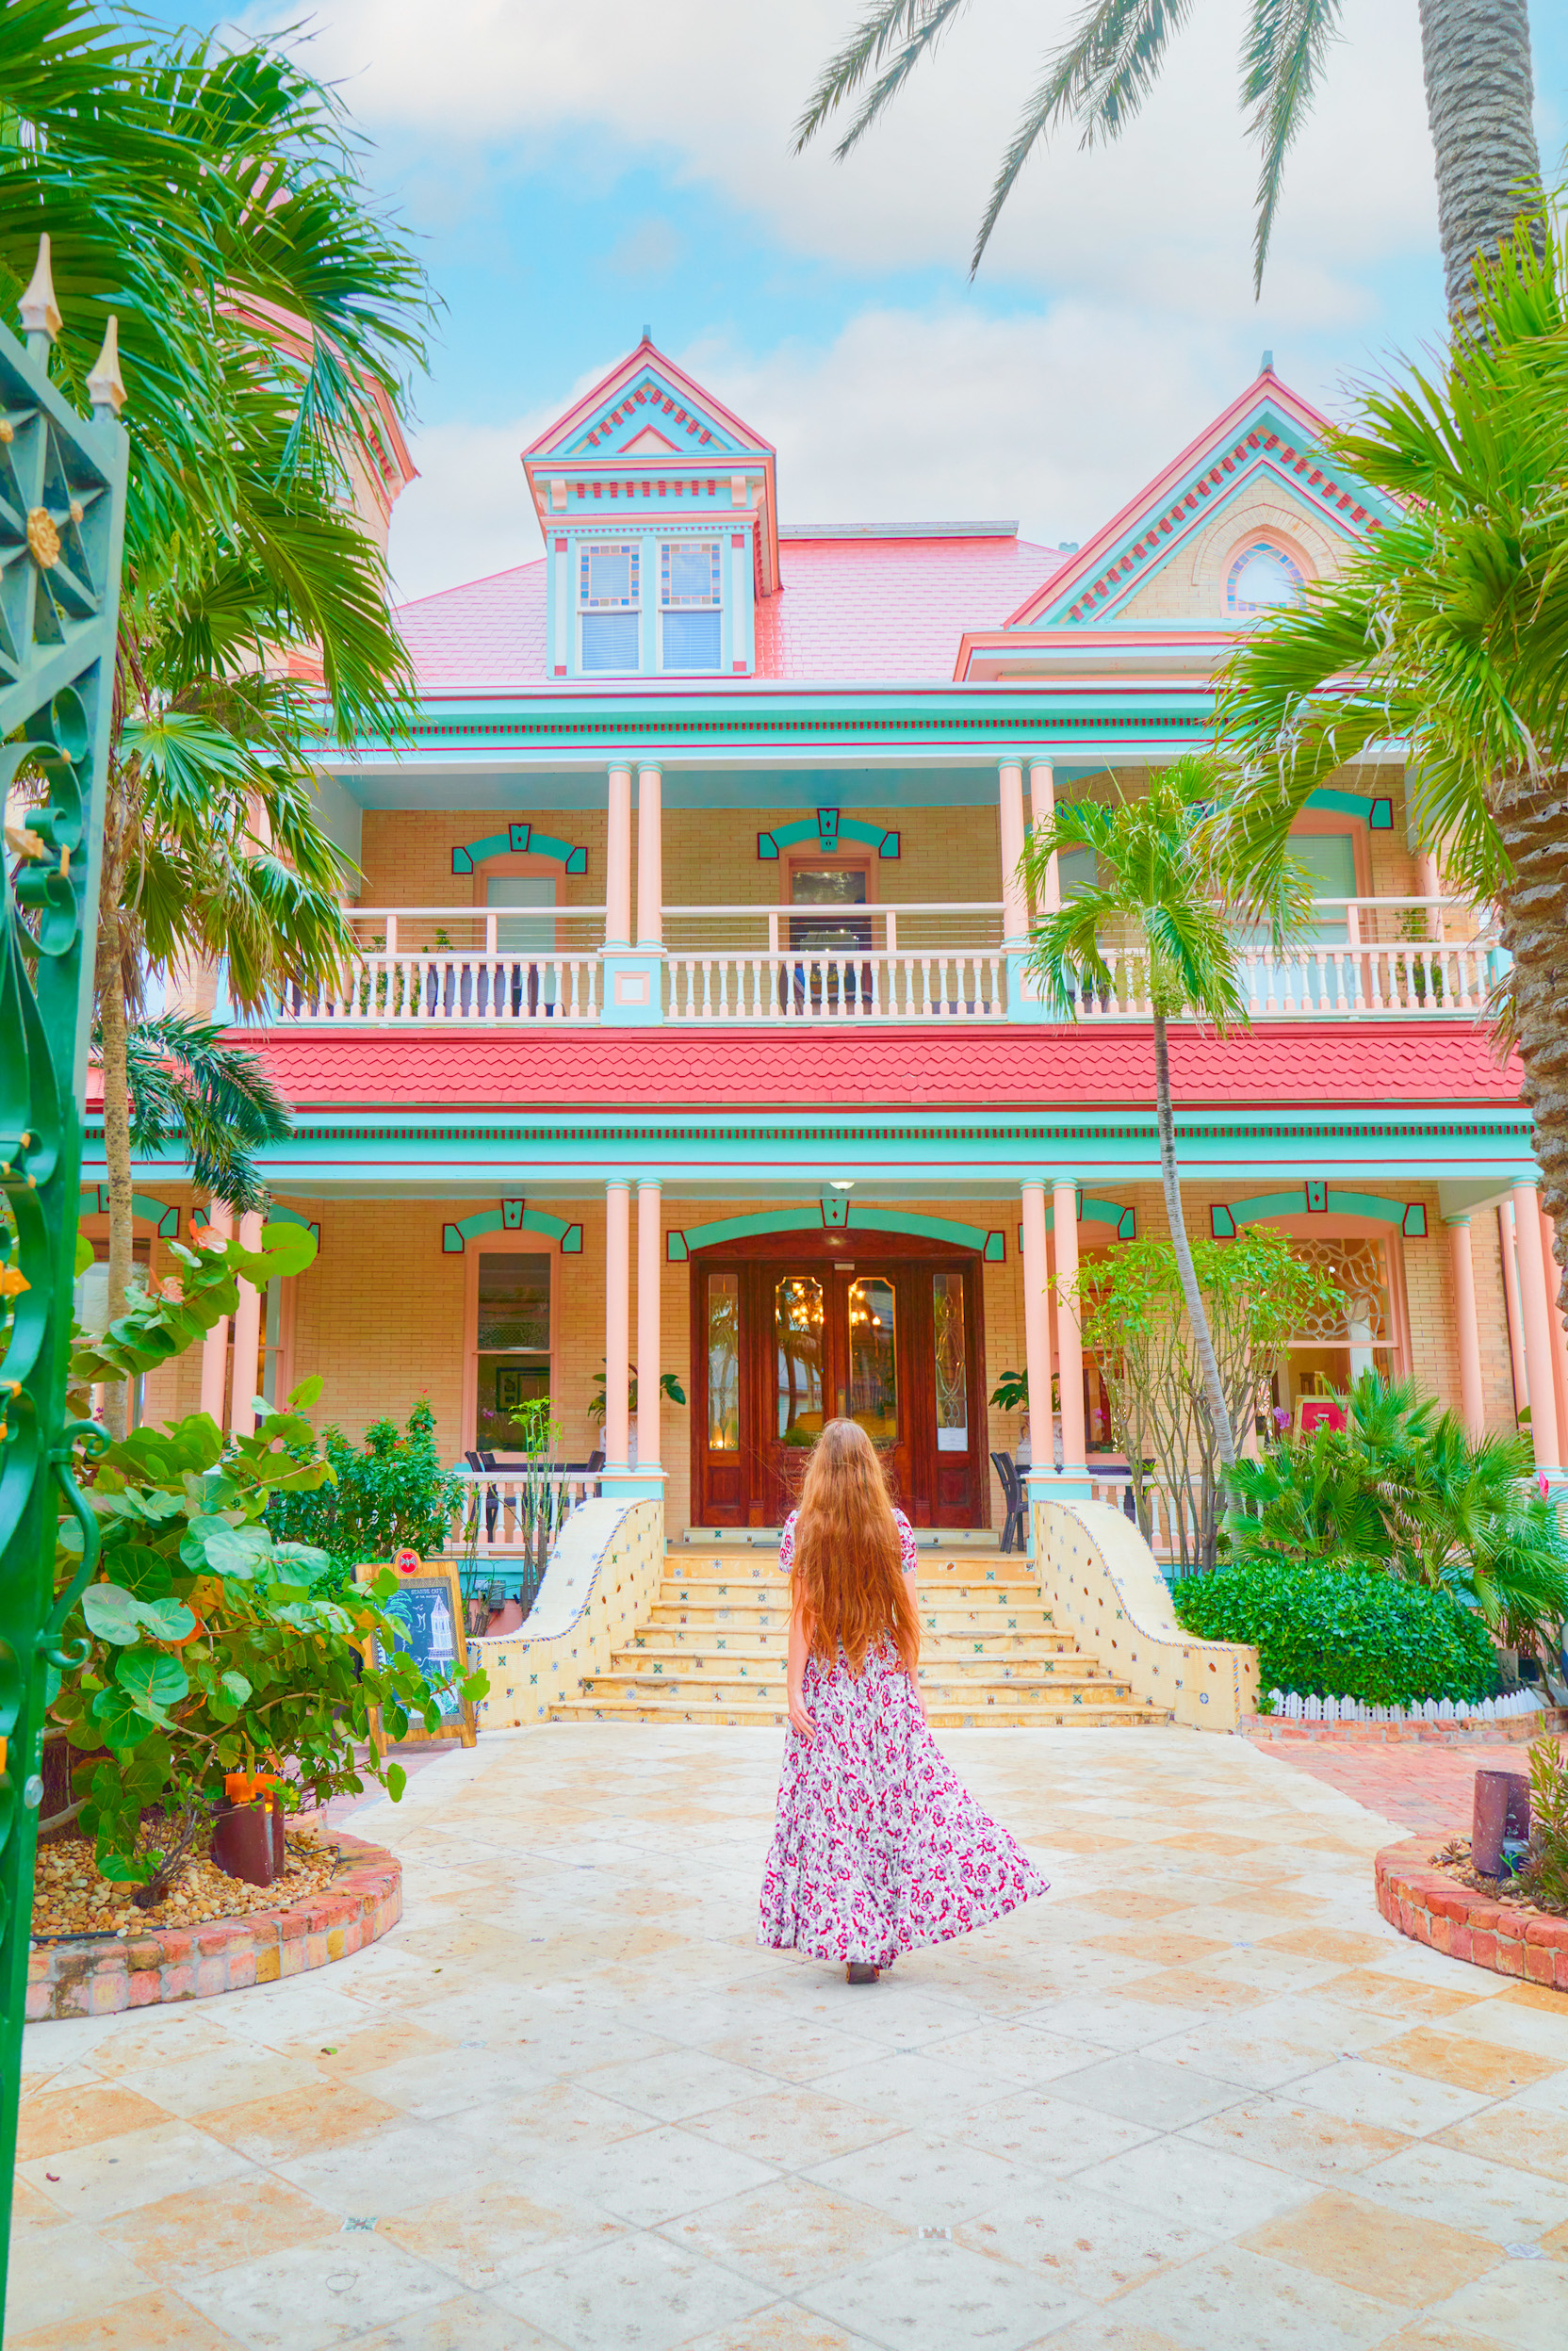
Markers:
(849, 1583)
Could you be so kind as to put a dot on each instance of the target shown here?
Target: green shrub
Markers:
(389, 1493)
(1344, 1632)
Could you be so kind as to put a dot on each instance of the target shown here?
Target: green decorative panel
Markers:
(513, 1215)
(834, 1214)
(830, 830)
(1318, 1199)
(1124, 1222)
(517, 839)
(1375, 810)
(94, 1201)
(62, 499)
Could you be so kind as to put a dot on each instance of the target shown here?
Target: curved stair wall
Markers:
(1103, 1584)
(601, 1581)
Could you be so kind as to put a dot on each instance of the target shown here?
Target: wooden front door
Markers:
(888, 1337)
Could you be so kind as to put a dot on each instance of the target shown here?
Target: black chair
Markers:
(486, 1461)
(1013, 1537)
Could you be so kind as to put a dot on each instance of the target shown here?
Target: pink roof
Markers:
(869, 609)
(1280, 1066)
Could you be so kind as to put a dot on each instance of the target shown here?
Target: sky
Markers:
(573, 173)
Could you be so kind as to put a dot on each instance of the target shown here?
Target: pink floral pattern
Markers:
(877, 1845)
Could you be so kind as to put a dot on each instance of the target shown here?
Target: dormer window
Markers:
(1263, 578)
(690, 606)
(610, 607)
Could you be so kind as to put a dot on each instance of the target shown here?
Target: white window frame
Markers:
(713, 603)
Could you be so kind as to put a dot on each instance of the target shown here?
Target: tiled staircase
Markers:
(713, 1648)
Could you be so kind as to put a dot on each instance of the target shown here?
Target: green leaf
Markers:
(85, 1254)
(150, 1679)
(168, 1619)
(124, 1869)
(397, 1780)
(235, 1688)
(112, 1614)
(141, 1570)
(120, 1725)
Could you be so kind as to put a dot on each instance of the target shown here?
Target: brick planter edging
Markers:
(1433, 1909)
(1514, 1730)
(100, 1976)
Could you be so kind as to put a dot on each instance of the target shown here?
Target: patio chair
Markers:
(1013, 1537)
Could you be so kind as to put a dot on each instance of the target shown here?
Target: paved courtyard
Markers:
(1201, 2097)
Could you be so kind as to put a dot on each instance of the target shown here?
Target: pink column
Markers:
(617, 861)
(1462, 1267)
(215, 1347)
(649, 1263)
(1042, 808)
(1552, 1272)
(1511, 1301)
(651, 870)
(1535, 1314)
(1037, 1329)
(1070, 1344)
(618, 1334)
(247, 1339)
(1014, 905)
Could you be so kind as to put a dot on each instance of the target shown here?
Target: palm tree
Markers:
(216, 1101)
(209, 199)
(1475, 56)
(1156, 898)
(1448, 630)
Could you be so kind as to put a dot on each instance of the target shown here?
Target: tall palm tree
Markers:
(1476, 56)
(216, 1101)
(209, 197)
(1448, 629)
(1156, 897)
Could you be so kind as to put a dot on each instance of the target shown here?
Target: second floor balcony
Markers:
(1362, 958)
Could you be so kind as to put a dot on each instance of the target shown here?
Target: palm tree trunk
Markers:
(1531, 815)
(1214, 1393)
(1475, 56)
(117, 1151)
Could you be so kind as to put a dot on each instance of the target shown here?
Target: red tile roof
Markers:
(1404, 1064)
(852, 609)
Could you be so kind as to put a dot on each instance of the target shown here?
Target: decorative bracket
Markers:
(834, 1213)
(1316, 1197)
(517, 838)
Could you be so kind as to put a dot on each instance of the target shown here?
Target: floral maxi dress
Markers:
(877, 1845)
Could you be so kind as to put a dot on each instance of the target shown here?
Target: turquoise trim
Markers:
(1316, 1198)
(831, 1215)
(1111, 1212)
(277, 1215)
(518, 839)
(143, 1207)
(828, 829)
(633, 989)
(513, 1215)
(1376, 811)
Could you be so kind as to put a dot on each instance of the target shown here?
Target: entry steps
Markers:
(714, 1648)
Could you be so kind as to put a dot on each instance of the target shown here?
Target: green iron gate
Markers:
(62, 508)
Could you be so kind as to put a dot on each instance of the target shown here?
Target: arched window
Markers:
(1262, 579)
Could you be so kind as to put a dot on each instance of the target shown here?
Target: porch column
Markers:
(1043, 809)
(649, 1258)
(247, 1339)
(617, 861)
(1462, 1269)
(618, 1334)
(1535, 1314)
(1510, 1302)
(1037, 1329)
(215, 1347)
(1015, 905)
(1560, 1336)
(1070, 1344)
(650, 861)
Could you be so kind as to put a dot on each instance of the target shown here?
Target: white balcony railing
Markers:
(516, 1515)
(763, 965)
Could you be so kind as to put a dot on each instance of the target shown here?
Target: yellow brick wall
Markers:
(1191, 583)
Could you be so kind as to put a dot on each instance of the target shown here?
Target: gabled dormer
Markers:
(1234, 527)
(660, 518)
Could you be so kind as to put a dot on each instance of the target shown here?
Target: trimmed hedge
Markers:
(1344, 1632)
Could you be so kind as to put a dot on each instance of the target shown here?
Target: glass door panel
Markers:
(797, 1324)
(873, 1359)
(724, 1363)
(950, 1358)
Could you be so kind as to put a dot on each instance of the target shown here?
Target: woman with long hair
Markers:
(877, 1845)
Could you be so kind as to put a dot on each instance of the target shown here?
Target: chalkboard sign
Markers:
(428, 1606)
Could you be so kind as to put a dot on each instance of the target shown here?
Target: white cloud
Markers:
(935, 415)
(1164, 219)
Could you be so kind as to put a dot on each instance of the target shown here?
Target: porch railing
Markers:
(486, 968)
(933, 961)
(513, 1516)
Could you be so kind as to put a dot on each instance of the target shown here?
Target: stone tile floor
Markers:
(1202, 2096)
(1428, 1788)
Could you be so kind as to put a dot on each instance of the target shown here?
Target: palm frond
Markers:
(1283, 58)
(915, 23)
(218, 1101)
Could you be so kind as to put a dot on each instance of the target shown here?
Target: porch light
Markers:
(841, 1183)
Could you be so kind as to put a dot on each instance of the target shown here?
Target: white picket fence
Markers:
(1294, 1708)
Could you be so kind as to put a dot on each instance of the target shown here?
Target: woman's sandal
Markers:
(856, 1971)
